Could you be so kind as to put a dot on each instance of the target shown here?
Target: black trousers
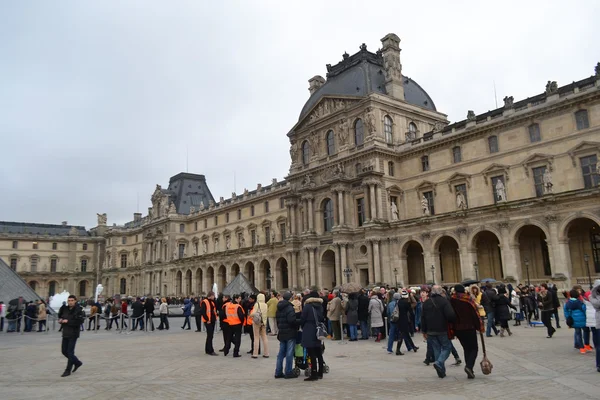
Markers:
(405, 336)
(68, 350)
(556, 318)
(546, 316)
(235, 337)
(198, 319)
(316, 359)
(210, 331)
(150, 320)
(225, 332)
(468, 340)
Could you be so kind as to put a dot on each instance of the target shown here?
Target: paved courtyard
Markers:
(172, 364)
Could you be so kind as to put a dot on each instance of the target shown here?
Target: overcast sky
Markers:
(100, 100)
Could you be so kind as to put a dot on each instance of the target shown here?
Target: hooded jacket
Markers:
(260, 302)
(575, 309)
(187, 308)
(351, 310)
(595, 300)
(287, 324)
(312, 306)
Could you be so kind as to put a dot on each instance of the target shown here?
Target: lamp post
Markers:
(347, 273)
(586, 258)
(396, 276)
(527, 269)
(476, 268)
(432, 274)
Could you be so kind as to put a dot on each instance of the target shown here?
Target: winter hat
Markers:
(459, 289)
(404, 294)
(501, 290)
(397, 296)
(287, 296)
(314, 294)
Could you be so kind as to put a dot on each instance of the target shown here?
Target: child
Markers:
(575, 315)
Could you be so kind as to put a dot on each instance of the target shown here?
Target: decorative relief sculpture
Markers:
(273, 237)
(227, 242)
(391, 65)
(394, 210)
(101, 219)
(508, 101)
(342, 132)
(370, 119)
(551, 87)
(211, 204)
(425, 206)
(294, 151)
(314, 142)
(192, 209)
(461, 202)
(216, 244)
(242, 241)
(174, 256)
(471, 115)
(172, 209)
(257, 239)
(547, 178)
(500, 191)
(326, 107)
(308, 180)
(204, 247)
(201, 205)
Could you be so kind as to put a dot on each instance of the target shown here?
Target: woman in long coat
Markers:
(503, 307)
(376, 312)
(351, 312)
(313, 307)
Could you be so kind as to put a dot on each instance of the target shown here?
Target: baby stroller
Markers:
(301, 359)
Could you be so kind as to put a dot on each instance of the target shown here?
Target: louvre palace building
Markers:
(382, 189)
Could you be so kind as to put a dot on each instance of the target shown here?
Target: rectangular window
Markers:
(34, 264)
(498, 196)
(267, 235)
(83, 265)
(216, 220)
(227, 217)
(53, 262)
(538, 180)
(253, 237)
(15, 244)
(205, 223)
(239, 212)
(462, 188)
(425, 163)
(181, 250)
(123, 240)
(54, 246)
(282, 203)
(534, 133)
(581, 118)
(252, 211)
(35, 245)
(588, 170)
(358, 168)
(13, 264)
(84, 246)
(493, 144)
(282, 231)
(266, 206)
(196, 226)
(181, 228)
(456, 154)
(123, 260)
(391, 168)
(360, 211)
(136, 238)
(429, 197)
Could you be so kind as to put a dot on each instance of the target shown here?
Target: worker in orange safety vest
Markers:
(235, 319)
(209, 317)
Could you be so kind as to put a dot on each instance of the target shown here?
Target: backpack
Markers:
(257, 318)
(395, 317)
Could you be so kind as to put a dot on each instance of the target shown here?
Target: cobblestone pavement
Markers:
(173, 365)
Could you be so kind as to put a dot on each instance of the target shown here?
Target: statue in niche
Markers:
(547, 178)
(370, 118)
(308, 179)
(425, 206)
(314, 143)
(500, 191)
(242, 241)
(204, 247)
(343, 132)
(192, 209)
(227, 242)
(101, 219)
(273, 237)
(216, 244)
(195, 249)
(172, 209)
(461, 202)
(394, 210)
(174, 257)
(257, 238)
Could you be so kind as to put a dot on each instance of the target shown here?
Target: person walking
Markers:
(287, 323)
(403, 325)
(163, 311)
(334, 314)
(137, 314)
(488, 301)
(258, 314)
(272, 311)
(209, 317)
(149, 309)
(70, 318)
(197, 314)
(503, 307)
(235, 317)
(42, 315)
(465, 327)
(556, 303)
(393, 333)
(248, 305)
(595, 300)
(437, 314)
(187, 312)
(223, 319)
(124, 312)
(312, 315)
(575, 311)
(590, 324)
(546, 303)
(2, 315)
(376, 313)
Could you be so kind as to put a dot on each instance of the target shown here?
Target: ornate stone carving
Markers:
(272, 236)
(500, 191)
(503, 225)
(192, 209)
(425, 236)
(508, 102)
(342, 132)
(233, 196)
(547, 177)
(551, 87)
(551, 218)
(204, 247)
(597, 69)
(425, 206)
(308, 180)
(438, 126)
(326, 107)
(294, 152)
(370, 121)
(461, 202)
(391, 66)
(394, 211)
(201, 205)
(211, 204)
(471, 115)
(314, 141)
(101, 219)
(462, 231)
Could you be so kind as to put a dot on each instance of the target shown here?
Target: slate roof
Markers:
(25, 228)
(187, 190)
(240, 284)
(12, 285)
(360, 75)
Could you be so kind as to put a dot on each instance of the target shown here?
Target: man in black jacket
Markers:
(137, 314)
(363, 315)
(488, 300)
(149, 308)
(70, 318)
(197, 313)
(555, 303)
(437, 313)
(288, 327)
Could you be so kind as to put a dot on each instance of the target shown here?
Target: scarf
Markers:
(466, 297)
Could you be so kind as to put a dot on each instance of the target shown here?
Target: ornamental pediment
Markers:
(324, 108)
(537, 159)
(495, 169)
(582, 148)
(458, 177)
(426, 186)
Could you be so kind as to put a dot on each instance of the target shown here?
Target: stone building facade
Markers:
(383, 189)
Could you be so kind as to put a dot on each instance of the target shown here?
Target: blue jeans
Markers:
(578, 338)
(586, 336)
(353, 331)
(286, 349)
(490, 324)
(364, 329)
(441, 349)
(393, 336)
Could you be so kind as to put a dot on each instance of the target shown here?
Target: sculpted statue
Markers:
(500, 191)
(547, 177)
(195, 249)
(508, 101)
(343, 132)
(313, 142)
(461, 202)
(245, 192)
(101, 219)
(172, 209)
(294, 151)
(227, 242)
(174, 257)
(551, 87)
(201, 205)
(273, 237)
(597, 69)
(150, 212)
(471, 115)
(204, 247)
(425, 206)
(370, 118)
(394, 210)
(192, 209)
(242, 241)
(308, 179)
(216, 244)
(233, 196)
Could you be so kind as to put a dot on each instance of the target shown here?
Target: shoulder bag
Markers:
(320, 327)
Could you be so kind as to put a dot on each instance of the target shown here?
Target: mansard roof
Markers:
(25, 228)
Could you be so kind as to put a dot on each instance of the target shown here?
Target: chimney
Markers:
(137, 217)
(64, 223)
(392, 66)
(315, 83)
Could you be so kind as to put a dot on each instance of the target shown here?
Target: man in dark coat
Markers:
(488, 300)
(149, 308)
(288, 326)
(404, 322)
(437, 313)
(196, 313)
(556, 303)
(363, 314)
(466, 326)
(70, 318)
(137, 314)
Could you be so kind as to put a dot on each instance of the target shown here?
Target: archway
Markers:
(489, 256)
(584, 239)
(415, 263)
(210, 276)
(449, 258)
(281, 267)
(235, 271)
(222, 277)
(533, 252)
(178, 284)
(328, 270)
(188, 282)
(265, 275)
(250, 273)
(199, 281)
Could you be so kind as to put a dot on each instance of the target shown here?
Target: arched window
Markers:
(412, 131)
(493, 144)
(330, 143)
(84, 265)
(327, 215)
(388, 129)
(82, 288)
(33, 285)
(359, 132)
(305, 153)
(123, 286)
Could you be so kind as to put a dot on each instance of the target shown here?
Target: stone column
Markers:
(290, 220)
(376, 261)
(338, 263)
(509, 254)
(371, 273)
(428, 261)
(312, 266)
(367, 208)
(311, 224)
(341, 207)
(292, 269)
(373, 202)
(560, 257)
(343, 259)
(403, 270)
(378, 202)
(336, 218)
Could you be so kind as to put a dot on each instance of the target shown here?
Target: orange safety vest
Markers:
(224, 308)
(208, 311)
(232, 315)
